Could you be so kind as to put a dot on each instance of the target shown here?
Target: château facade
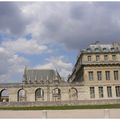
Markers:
(95, 77)
(98, 68)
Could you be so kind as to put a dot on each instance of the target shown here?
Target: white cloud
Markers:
(59, 63)
(11, 65)
(75, 24)
(24, 46)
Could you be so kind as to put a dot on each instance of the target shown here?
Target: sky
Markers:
(50, 35)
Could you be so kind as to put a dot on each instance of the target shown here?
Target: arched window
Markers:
(73, 94)
(56, 93)
(4, 95)
(39, 95)
(21, 95)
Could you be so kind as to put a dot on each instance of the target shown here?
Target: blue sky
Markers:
(50, 35)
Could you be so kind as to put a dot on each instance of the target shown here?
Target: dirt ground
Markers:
(88, 113)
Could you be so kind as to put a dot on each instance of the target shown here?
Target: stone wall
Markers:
(58, 103)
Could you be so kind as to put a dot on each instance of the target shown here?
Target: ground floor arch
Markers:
(39, 94)
(21, 94)
(73, 94)
(4, 95)
(56, 94)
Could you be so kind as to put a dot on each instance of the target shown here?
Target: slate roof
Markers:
(40, 75)
(115, 47)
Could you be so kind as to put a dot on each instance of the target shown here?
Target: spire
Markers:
(58, 75)
(25, 74)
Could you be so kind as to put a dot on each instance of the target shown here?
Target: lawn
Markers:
(66, 107)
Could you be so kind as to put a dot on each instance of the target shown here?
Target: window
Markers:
(97, 57)
(56, 94)
(104, 49)
(99, 75)
(97, 49)
(88, 49)
(109, 91)
(116, 75)
(92, 92)
(113, 57)
(112, 49)
(117, 88)
(91, 75)
(101, 92)
(105, 57)
(89, 58)
(107, 73)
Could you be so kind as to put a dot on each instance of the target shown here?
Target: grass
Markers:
(66, 107)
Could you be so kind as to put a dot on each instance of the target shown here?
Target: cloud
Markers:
(75, 24)
(11, 19)
(24, 46)
(72, 24)
(59, 63)
(10, 65)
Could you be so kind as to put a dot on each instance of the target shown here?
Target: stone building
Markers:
(95, 77)
(98, 69)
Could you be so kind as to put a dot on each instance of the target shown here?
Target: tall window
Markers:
(107, 73)
(97, 57)
(113, 57)
(116, 75)
(109, 91)
(90, 75)
(56, 94)
(105, 57)
(92, 92)
(117, 88)
(99, 75)
(89, 58)
(100, 92)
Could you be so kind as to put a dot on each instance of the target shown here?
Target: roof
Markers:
(115, 47)
(40, 75)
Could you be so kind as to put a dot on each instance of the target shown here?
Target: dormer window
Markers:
(104, 49)
(88, 49)
(96, 49)
(112, 49)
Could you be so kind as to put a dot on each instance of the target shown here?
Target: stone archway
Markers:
(21, 95)
(39, 94)
(4, 95)
(56, 94)
(73, 94)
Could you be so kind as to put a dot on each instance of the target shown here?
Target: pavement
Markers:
(81, 113)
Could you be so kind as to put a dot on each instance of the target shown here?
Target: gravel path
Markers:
(88, 113)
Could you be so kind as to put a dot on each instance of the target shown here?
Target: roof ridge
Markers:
(41, 69)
